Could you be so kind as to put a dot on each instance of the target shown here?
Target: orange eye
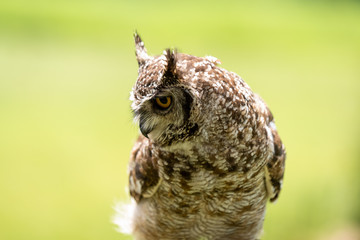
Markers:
(163, 102)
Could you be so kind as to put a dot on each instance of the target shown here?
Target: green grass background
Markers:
(66, 70)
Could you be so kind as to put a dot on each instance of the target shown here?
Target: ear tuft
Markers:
(171, 60)
(170, 75)
(140, 50)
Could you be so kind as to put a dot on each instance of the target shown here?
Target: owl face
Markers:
(163, 113)
(161, 102)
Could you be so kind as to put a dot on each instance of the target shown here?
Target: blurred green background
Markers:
(66, 70)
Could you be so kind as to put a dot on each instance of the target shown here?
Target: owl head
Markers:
(162, 101)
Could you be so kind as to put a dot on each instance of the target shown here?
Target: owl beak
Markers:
(145, 129)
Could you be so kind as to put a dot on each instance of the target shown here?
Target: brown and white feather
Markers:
(211, 161)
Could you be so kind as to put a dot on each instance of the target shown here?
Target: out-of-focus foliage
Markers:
(66, 69)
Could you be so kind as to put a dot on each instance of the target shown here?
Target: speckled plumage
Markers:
(206, 166)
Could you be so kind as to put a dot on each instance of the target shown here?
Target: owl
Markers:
(209, 156)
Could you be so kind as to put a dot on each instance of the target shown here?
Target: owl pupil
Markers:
(163, 100)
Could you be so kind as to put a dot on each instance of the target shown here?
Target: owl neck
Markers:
(177, 137)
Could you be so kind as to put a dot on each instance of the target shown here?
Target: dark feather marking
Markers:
(185, 174)
(187, 105)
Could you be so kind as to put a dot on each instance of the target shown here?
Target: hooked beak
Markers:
(145, 129)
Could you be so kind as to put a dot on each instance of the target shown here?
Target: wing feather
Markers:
(274, 169)
(276, 165)
(143, 170)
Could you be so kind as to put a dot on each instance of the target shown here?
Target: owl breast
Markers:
(203, 194)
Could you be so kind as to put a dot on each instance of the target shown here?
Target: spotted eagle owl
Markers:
(209, 156)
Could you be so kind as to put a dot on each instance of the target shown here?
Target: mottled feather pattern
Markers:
(143, 174)
(205, 169)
